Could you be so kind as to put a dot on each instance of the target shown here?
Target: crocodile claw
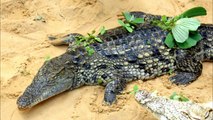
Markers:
(183, 78)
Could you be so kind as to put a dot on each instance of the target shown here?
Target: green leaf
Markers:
(85, 44)
(169, 21)
(195, 35)
(138, 20)
(132, 18)
(187, 44)
(170, 41)
(190, 23)
(178, 97)
(127, 16)
(98, 39)
(100, 81)
(102, 30)
(87, 48)
(121, 23)
(193, 12)
(180, 33)
(183, 98)
(173, 94)
(47, 58)
(129, 29)
(78, 42)
(135, 88)
(183, 28)
(130, 21)
(127, 24)
(90, 50)
(170, 71)
(163, 18)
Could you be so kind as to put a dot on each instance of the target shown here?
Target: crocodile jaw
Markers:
(32, 97)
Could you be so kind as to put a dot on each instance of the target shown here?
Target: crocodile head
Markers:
(143, 96)
(55, 76)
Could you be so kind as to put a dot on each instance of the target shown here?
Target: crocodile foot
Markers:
(183, 78)
(112, 89)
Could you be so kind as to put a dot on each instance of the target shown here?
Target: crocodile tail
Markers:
(206, 31)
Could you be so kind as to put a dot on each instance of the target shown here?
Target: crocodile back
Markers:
(132, 56)
(138, 55)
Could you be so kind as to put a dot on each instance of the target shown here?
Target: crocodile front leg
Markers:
(112, 89)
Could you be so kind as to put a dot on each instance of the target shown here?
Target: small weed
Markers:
(135, 90)
(89, 39)
(178, 97)
(47, 58)
(182, 28)
(102, 30)
(100, 81)
(130, 21)
(171, 71)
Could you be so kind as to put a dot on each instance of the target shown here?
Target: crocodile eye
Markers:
(186, 114)
(208, 113)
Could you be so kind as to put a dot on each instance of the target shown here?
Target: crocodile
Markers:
(167, 109)
(122, 57)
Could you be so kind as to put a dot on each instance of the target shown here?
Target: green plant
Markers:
(100, 81)
(135, 89)
(171, 71)
(182, 28)
(47, 58)
(178, 97)
(130, 21)
(102, 30)
(89, 39)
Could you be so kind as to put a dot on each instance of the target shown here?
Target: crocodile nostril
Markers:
(23, 102)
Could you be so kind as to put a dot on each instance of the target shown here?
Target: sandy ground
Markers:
(24, 49)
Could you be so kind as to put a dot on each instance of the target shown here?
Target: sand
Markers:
(25, 25)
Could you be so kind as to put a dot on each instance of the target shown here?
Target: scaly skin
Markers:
(166, 109)
(121, 58)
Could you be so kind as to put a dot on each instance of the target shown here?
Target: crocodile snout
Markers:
(23, 102)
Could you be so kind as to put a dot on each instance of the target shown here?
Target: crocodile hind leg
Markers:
(112, 89)
(208, 55)
(62, 39)
(188, 70)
